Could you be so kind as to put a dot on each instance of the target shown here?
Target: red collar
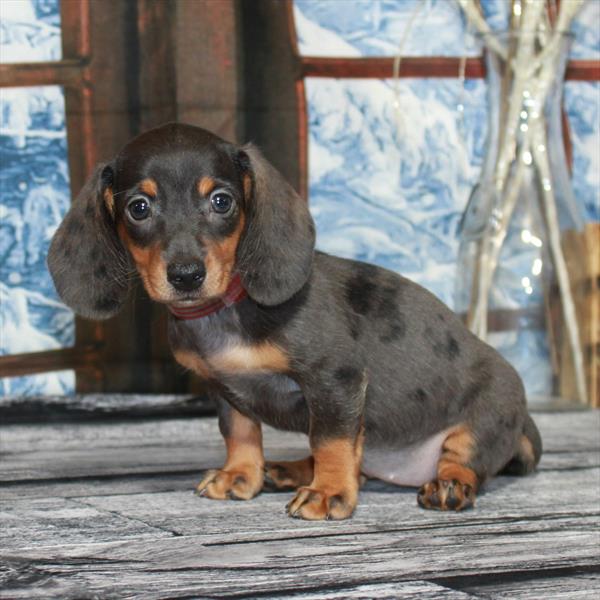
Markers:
(234, 293)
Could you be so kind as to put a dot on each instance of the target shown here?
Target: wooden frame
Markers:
(422, 67)
(73, 74)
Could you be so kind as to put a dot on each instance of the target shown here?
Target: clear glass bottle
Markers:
(507, 284)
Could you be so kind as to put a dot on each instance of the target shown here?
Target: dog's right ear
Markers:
(87, 260)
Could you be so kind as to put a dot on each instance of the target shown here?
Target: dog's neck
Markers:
(235, 293)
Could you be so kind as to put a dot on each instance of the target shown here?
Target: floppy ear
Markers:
(87, 261)
(274, 256)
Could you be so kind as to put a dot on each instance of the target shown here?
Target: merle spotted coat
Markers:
(382, 377)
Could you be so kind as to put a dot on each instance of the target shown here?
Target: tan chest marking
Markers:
(193, 362)
(245, 359)
(235, 359)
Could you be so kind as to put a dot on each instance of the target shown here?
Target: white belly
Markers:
(411, 466)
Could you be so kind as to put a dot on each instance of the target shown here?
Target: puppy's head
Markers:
(186, 210)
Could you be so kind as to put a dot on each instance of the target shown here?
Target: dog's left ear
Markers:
(274, 256)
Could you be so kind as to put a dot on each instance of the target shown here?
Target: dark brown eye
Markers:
(139, 208)
(221, 202)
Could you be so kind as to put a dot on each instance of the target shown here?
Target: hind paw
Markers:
(444, 494)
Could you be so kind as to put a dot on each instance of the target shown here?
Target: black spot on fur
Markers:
(368, 293)
(448, 349)
(360, 294)
(396, 331)
(362, 288)
(100, 272)
(419, 395)
(386, 304)
(452, 347)
(348, 375)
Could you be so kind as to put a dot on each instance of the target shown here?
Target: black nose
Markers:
(186, 277)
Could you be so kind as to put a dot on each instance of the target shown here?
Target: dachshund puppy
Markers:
(383, 378)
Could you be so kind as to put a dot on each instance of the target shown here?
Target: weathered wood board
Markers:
(107, 510)
(33, 409)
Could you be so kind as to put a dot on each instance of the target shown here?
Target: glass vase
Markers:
(521, 247)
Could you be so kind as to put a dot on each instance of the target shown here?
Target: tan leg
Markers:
(333, 491)
(242, 476)
(456, 483)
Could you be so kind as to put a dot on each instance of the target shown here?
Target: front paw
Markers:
(315, 505)
(231, 484)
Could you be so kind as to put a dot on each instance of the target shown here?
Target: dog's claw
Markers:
(316, 505)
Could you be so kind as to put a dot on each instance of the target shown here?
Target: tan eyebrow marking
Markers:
(247, 186)
(206, 185)
(109, 202)
(149, 187)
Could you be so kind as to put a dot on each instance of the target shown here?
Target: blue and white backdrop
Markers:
(376, 194)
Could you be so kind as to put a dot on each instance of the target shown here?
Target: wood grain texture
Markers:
(571, 587)
(107, 510)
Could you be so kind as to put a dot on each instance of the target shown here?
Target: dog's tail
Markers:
(528, 452)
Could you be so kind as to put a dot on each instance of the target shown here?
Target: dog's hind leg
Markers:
(456, 483)
(471, 454)
(493, 429)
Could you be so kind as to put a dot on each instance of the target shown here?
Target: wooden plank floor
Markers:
(106, 510)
